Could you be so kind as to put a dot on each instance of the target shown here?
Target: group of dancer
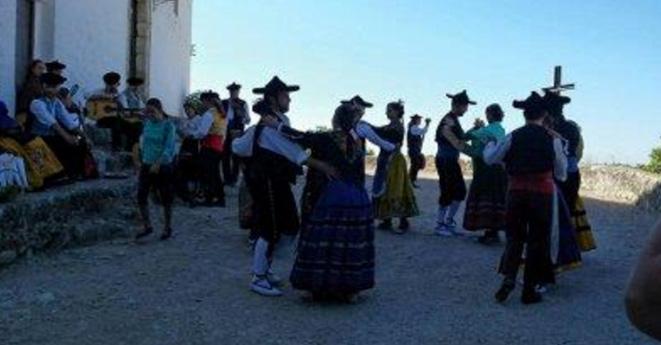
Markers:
(525, 183)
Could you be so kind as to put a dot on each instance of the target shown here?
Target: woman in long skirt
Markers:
(335, 257)
(485, 206)
(392, 189)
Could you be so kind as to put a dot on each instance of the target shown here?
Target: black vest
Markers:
(414, 142)
(238, 121)
(267, 164)
(531, 151)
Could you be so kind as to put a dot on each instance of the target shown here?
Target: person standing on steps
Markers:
(451, 141)
(415, 138)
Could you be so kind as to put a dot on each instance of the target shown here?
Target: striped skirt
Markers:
(336, 246)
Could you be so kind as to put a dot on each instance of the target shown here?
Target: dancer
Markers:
(451, 141)
(415, 138)
(485, 206)
(274, 163)
(532, 157)
(391, 189)
(335, 257)
(571, 132)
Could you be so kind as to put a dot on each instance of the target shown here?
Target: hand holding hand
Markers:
(270, 121)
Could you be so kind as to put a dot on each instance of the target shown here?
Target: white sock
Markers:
(452, 211)
(260, 261)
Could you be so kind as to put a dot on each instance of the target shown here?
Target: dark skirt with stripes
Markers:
(336, 247)
(485, 206)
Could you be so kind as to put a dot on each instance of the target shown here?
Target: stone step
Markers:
(70, 215)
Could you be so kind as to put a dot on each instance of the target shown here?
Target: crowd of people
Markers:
(525, 183)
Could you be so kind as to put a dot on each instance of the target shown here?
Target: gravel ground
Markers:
(193, 290)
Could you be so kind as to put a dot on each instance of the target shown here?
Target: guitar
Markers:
(98, 109)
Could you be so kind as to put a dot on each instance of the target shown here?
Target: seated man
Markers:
(77, 129)
(40, 162)
(52, 122)
(104, 106)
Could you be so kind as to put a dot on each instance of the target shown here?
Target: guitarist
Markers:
(132, 105)
(110, 92)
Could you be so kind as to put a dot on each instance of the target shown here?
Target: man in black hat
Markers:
(571, 132)
(238, 116)
(120, 128)
(533, 156)
(56, 67)
(274, 163)
(451, 141)
(52, 122)
(415, 138)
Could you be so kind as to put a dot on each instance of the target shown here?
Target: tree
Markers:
(655, 161)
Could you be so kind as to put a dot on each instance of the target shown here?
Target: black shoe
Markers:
(144, 233)
(488, 239)
(167, 233)
(504, 292)
(530, 296)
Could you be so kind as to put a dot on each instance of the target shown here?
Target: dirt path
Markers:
(193, 290)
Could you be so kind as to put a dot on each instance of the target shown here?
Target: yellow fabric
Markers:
(40, 161)
(583, 229)
(398, 200)
(219, 125)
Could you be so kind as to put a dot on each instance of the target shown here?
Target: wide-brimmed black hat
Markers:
(532, 103)
(416, 116)
(52, 79)
(234, 87)
(274, 86)
(135, 81)
(555, 100)
(358, 100)
(112, 78)
(55, 66)
(461, 98)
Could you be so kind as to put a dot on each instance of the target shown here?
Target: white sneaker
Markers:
(443, 231)
(263, 287)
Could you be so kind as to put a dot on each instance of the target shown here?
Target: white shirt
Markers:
(199, 126)
(130, 100)
(364, 131)
(230, 113)
(418, 131)
(494, 153)
(271, 140)
(51, 111)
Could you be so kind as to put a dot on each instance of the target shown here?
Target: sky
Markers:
(419, 50)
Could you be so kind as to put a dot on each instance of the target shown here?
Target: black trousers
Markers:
(163, 181)
(121, 129)
(72, 157)
(529, 221)
(274, 209)
(450, 180)
(231, 162)
(188, 168)
(417, 164)
(212, 181)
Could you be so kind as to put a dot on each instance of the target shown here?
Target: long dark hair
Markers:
(495, 112)
(34, 63)
(156, 103)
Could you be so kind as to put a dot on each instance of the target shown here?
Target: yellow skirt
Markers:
(40, 160)
(583, 229)
(398, 199)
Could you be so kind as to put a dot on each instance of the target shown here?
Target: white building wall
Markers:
(170, 54)
(92, 38)
(7, 52)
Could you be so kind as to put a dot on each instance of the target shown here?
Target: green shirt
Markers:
(157, 144)
(480, 137)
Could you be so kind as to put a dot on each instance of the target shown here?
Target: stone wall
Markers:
(79, 214)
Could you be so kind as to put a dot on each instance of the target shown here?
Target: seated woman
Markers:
(31, 88)
(40, 162)
(53, 123)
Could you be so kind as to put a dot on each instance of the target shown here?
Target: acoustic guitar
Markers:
(99, 109)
